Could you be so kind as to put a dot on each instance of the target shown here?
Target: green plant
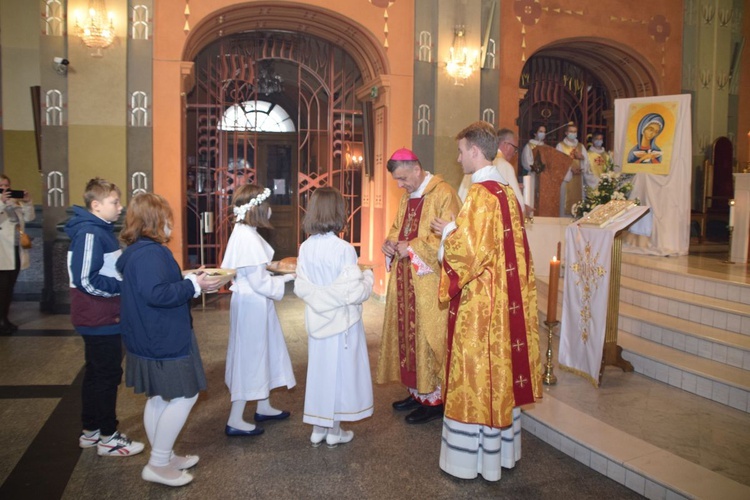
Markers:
(613, 185)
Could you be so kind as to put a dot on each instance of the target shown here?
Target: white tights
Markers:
(163, 421)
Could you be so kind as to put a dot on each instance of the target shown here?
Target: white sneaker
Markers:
(118, 446)
(90, 441)
(333, 440)
(149, 474)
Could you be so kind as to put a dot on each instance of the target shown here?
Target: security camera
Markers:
(61, 60)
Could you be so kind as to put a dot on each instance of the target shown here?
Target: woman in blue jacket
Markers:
(163, 360)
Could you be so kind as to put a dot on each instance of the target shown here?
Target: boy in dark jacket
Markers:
(95, 314)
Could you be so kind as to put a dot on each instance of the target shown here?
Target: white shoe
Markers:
(317, 438)
(343, 437)
(149, 474)
(90, 441)
(183, 463)
(118, 445)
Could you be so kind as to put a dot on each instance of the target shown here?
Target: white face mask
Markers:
(572, 136)
(598, 143)
(167, 230)
(540, 136)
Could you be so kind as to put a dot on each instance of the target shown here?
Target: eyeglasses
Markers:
(515, 148)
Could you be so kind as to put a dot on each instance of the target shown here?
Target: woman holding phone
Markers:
(14, 210)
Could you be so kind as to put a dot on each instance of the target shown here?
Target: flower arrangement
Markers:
(613, 185)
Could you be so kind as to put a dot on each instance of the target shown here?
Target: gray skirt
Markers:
(168, 378)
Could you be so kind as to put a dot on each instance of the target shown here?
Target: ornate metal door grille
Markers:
(319, 93)
(559, 92)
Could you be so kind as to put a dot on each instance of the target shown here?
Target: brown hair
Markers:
(3, 176)
(482, 135)
(256, 216)
(98, 189)
(326, 212)
(146, 217)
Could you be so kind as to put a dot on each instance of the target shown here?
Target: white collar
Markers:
(420, 190)
(594, 149)
(488, 173)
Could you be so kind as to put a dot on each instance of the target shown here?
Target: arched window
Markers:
(258, 116)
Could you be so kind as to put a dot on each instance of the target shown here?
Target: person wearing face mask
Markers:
(598, 156)
(571, 190)
(257, 357)
(527, 155)
(163, 358)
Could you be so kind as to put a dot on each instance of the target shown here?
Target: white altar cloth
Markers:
(588, 262)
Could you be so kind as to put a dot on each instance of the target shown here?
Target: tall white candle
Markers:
(731, 213)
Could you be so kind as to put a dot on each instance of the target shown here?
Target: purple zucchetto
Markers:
(404, 154)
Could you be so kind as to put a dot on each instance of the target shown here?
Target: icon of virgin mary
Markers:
(646, 150)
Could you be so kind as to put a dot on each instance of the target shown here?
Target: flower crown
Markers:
(241, 211)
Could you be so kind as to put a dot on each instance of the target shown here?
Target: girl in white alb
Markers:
(339, 387)
(257, 357)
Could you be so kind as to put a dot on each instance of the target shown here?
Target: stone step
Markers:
(644, 468)
(707, 342)
(710, 379)
(707, 311)
(706, 285)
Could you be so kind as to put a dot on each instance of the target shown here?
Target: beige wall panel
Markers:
(96, 151)
(20, 72)
(19, 37)
(97, 86)
(21, 163)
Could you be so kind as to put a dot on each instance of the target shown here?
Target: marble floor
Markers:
(40, 372)
(40, 375)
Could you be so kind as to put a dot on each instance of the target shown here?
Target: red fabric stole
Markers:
(407, 314)
(522, 388)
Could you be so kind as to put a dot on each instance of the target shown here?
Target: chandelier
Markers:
(98, 30)
(461, 63)
(267, 81)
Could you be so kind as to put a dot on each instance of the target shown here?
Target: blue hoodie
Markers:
(156, 321)
(94, 282)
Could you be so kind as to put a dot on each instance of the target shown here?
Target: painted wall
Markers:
(19, 39)
(527, 26)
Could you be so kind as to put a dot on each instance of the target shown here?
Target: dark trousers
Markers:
(102, 375)
(7, 282)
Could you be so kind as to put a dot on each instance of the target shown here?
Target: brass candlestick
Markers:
(549, 375)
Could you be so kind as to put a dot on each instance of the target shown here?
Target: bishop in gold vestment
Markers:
(412, 349)
(493, 344)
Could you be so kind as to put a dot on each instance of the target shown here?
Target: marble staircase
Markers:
(683, 331)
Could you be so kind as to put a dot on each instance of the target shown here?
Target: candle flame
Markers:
(554, 258)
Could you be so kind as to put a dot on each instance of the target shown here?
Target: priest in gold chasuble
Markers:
(579, 174)
(412, 349)
(493, 364)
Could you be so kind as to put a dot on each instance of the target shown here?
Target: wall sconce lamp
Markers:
(98, 30)
(355, 161)
(461, 63)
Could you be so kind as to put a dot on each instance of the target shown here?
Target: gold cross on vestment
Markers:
(507, 232)
(518, 345)
(522, 381)
(511, 269)
(514, 308)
